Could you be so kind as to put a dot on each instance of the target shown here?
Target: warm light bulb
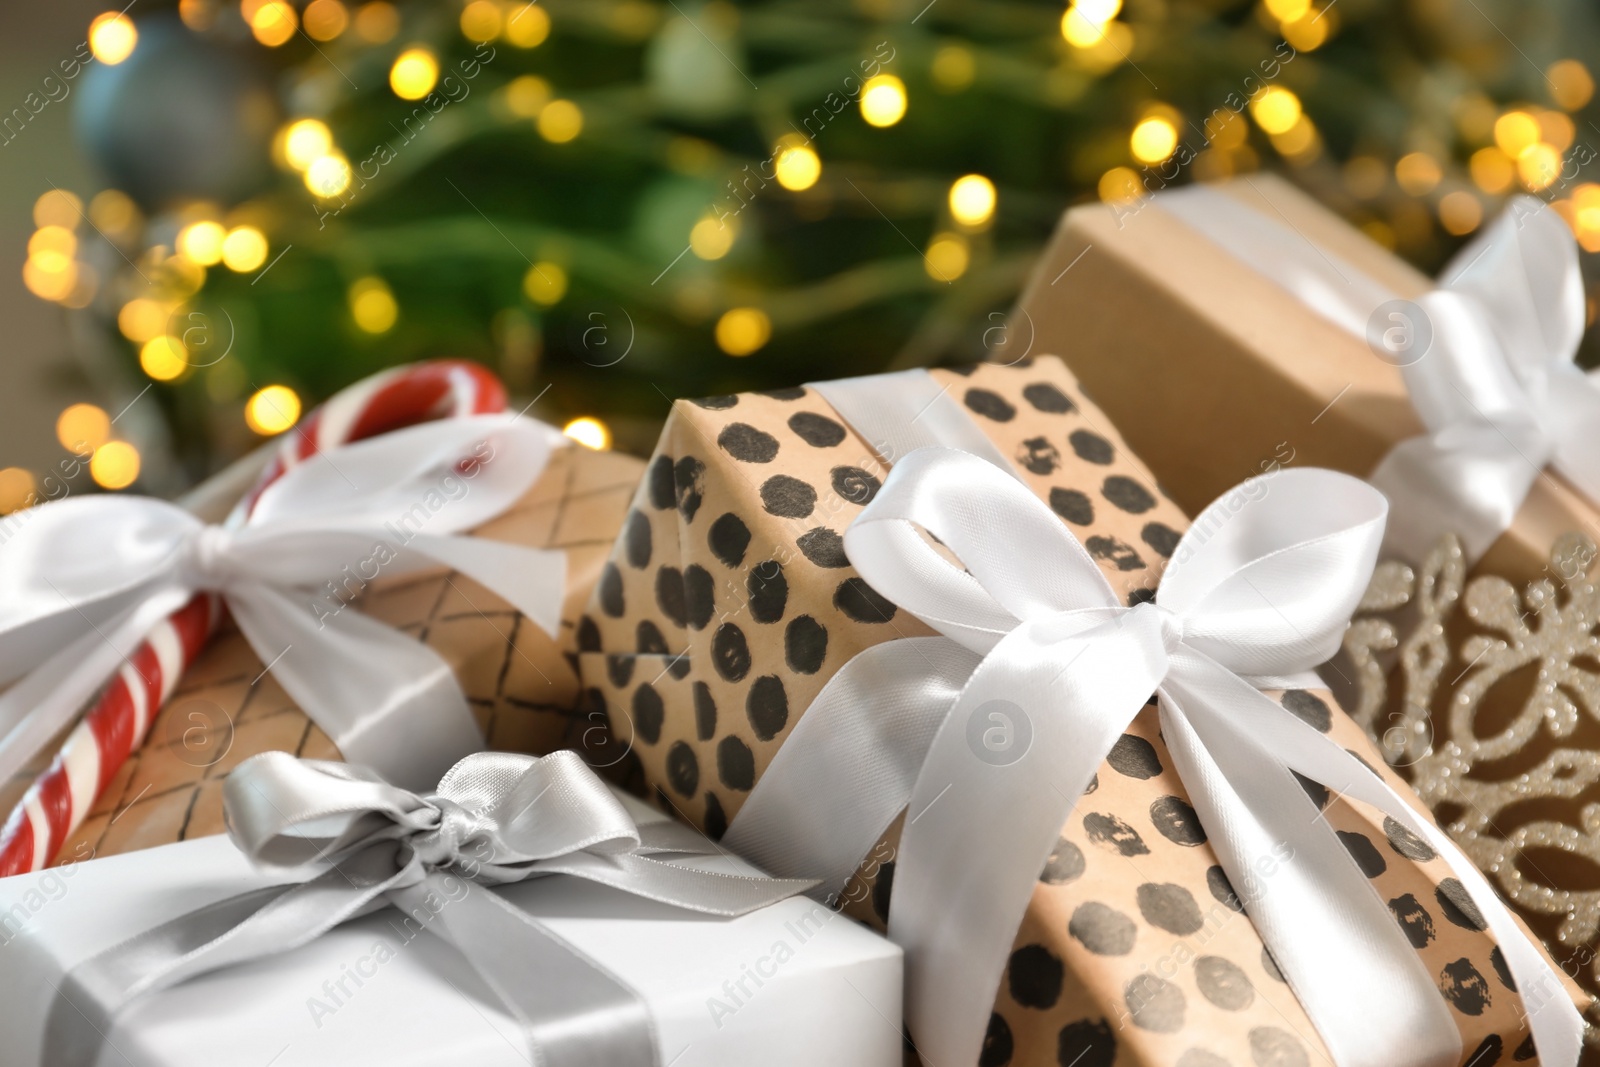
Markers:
(414, 74)
(373, 306)
(972, 200)
(1153, 140)
(304, 141)
(244, 249)
(589, 432)
(325, 20)
(797, 165)
(883, 100)
(272, 410)
(545, 283)
(560, 121)
(115, 465)
(202, 242)
(112, 37)
(712, 238)
(1275, 109)
(741, 331)
(529, 26)
(82, 428)
(274, 23)
(947, 257)
(329, 175)
(163, 358)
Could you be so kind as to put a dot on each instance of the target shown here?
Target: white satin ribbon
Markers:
(1497, 389)
(1055, 670)
(83, 581)
(903, 411)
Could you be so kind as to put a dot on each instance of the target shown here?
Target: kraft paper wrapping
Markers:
(1211, 367)
(522, 685)
(728, 603)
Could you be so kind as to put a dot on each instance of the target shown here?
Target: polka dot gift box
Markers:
(730, 602)
(147, 765)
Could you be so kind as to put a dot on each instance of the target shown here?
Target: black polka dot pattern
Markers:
(1090, 447)
(1161, 538)
(588, 635)
(859, 601)
(818, 431)
(1127, 494)
(683, 769)
(990, 405)
(1088, 1043)
(1309, 709)
(883, 892)
(998, 1044)
(716, 820)
(659, 481)
(728, 539)
(1155, 1004)
(767, 707)
(1414, 920)
(1034, 975)
(747, 444)
(855, 484)
(1064, 865)
(1361, 849)
(736, 764)
(1048, 399)
(1457, 905)
(619, 670)
(1465, 988)
(823, 547)
(1272, 1047)
(767, 591)
(648, 713)
(730, 653)
(1110, 832)
(669, 595)
(636, 538)
(649, 639)
(1134, 757)
(1405, 842)
(1170, 907)
(1037, 455)
(699, 596)
(805, 645)
(1072, 505)
(716, 403)
(688, 475)
(610, 592)
(1176, 821)
(788, 497)
(1102, 929)
(1222, 889)
(1223, 983)
(705, 712)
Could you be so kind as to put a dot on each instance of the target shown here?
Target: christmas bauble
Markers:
(182, 118)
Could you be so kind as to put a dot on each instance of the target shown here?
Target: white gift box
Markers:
(791, 984)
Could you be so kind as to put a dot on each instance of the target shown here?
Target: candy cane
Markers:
(58, 800)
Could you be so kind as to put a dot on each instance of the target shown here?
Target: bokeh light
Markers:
(545, 283)
(972, 200)
(112, 37)
(589, 432)
(373, 306)
(114, 465)
(883, 100)
(414, 74)
(272, 410)
(82, 428)
(741, 331)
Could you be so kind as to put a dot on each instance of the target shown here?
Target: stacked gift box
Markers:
(961, 740)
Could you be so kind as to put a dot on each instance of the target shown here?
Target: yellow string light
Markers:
(274, 23)
(545, 283)
(1275, 109)
(954, 67)
(528, 26)
(142, 318)
(796, 163)
(373, 306)
(1153, 140)
(741, 331)
(947, 257)
(414, 74)
(325, 20)
(329, 175)
(972, 200)
(162, 358)
(589, 432)
(244, 249)
(272, 410)
(1119, 185)
(1538, 166)
(1460, 212)
(304, 141)
(17, 490)
(112, 37)
(377, 22)
(1492, 170)
(712, 238)
(114, 465)
(527, 95)
(1571, 84)
(481, 21)
(113, 212)
(1418, 173)
(82, 428)
(883, 100)
(202, 242)
(1516, 131)
(57, 208)
(560, 121)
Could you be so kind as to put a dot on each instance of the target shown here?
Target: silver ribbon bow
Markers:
(1487, 358)
(496, 818)
(987, 738)
(84, 580)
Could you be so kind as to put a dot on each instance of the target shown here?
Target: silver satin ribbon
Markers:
(495, 819)
(1497, 388)
(84, 580)
(1039, 655)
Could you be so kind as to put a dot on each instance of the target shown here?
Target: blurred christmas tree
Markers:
(624, 201)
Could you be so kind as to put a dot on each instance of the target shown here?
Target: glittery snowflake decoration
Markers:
(1488, 699)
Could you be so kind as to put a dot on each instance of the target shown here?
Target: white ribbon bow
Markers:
(1051, 670)
(1496, 386)
(84, 580)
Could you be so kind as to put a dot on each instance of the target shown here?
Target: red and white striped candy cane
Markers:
(58, 801)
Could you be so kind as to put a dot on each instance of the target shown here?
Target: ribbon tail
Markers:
(532, 580)
(49, 697)
(1575, 400)
(235, 930)
(989, 805)
(385, 699)
(1251, 723)
(573, 1011)
(707, 892)
(849, 765)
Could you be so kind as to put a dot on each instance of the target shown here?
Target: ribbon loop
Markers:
(495, 818)
(97, 567)
(1259, 591)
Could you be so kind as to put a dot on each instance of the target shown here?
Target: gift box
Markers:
(787, 984)
(520, 682)
(729, 603)
(1215, 370)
